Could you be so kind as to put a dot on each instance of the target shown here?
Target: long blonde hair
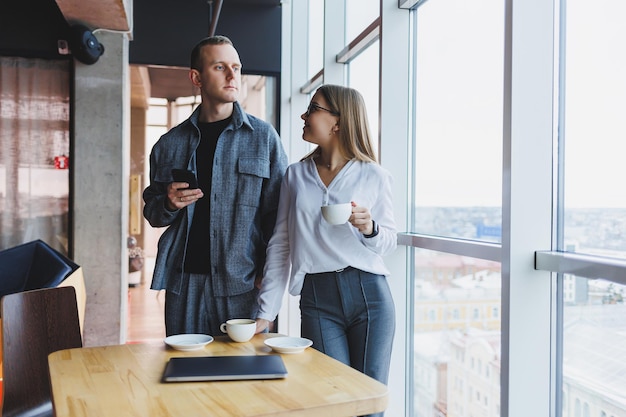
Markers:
(354, 132)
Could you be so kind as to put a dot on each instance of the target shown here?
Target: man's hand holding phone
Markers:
(185, 175)
(183, 190)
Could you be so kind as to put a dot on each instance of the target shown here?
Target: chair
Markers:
(31, 266)
(34, 324)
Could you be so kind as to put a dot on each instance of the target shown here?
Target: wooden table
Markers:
(124, 380)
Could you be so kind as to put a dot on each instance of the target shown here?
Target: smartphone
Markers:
(185, 175)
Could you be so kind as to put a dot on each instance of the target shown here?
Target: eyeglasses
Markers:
(315, 107)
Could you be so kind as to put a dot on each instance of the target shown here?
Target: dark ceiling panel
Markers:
(31, 28)
(165, 31)
(256, 32)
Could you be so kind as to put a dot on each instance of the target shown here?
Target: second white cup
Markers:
(239, 330)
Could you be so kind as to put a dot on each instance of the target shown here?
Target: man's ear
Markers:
(194, 76)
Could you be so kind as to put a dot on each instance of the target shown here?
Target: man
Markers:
(214, 247)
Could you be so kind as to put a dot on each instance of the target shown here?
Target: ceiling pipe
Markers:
(215, 7)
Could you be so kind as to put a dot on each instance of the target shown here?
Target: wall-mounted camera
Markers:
(84, 45)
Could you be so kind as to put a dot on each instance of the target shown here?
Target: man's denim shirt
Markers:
(249, 165)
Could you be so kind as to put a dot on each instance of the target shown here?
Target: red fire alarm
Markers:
(61, 162)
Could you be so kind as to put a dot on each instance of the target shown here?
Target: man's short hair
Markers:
(196, 56)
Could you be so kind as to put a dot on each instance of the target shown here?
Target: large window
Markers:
(315, 37)
(458, 118)
(594, 347)
(458, 136)
(359, 14)
(592, 209)
(594, 133)
(457, 313)
(363, 75)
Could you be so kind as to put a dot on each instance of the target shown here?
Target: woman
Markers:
(338, 270)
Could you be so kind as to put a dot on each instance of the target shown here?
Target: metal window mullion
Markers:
(581, 265)
(474, 249)
(313, 83)
(396, 52)
(370, 35)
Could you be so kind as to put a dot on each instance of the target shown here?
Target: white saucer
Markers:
(288, 344)
(188, 341)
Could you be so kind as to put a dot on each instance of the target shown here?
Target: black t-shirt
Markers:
(198, 258)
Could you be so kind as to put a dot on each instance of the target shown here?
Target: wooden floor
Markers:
(146, 309)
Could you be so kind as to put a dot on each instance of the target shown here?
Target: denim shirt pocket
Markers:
(252, 172)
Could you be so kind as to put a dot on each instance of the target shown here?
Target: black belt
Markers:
(347, 268)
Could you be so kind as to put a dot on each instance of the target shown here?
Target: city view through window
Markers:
(457, 313)
(457, 302)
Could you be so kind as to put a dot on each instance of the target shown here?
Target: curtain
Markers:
(34, 151)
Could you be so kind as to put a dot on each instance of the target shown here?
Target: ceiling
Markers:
(149, 81)
(117, 14)
(146, 80)
(105, 14)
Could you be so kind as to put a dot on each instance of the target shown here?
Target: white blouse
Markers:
(303, 242)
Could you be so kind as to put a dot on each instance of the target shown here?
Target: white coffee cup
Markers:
(239, 330)
(337, 213)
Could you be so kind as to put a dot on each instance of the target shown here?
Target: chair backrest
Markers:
(34, 324)
(31, 266)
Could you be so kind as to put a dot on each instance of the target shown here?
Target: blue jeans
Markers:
(350, 316)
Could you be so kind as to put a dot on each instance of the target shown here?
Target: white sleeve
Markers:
(382, 213)
(277, 263)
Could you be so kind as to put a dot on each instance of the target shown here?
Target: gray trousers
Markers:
(350, 316)
(197, 310)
